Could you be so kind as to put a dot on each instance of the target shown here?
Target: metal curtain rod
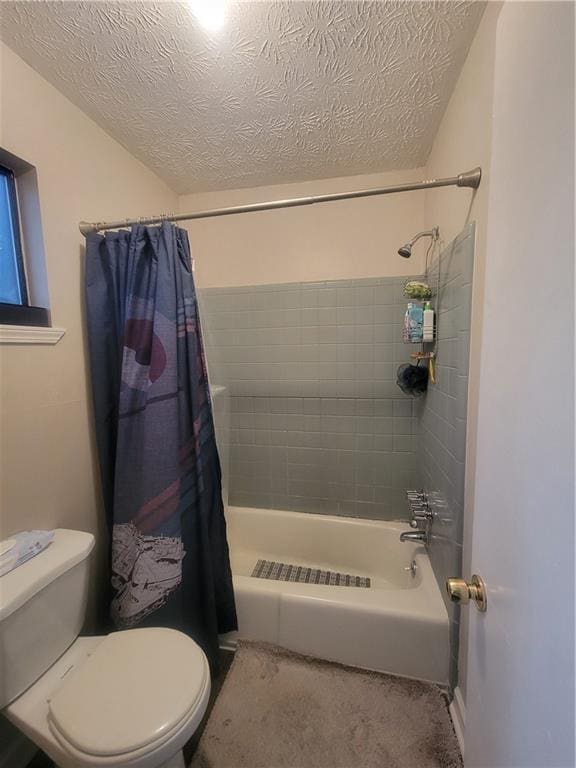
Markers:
(468, 179)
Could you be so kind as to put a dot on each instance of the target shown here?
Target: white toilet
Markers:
(130, 698)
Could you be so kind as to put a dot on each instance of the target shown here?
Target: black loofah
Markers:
(412, 379)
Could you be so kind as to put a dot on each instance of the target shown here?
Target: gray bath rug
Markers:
(278, 709)
(270, 569)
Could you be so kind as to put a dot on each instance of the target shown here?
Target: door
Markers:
(520, 707)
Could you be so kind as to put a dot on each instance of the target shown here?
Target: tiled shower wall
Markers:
(317, 421)
(442, 417)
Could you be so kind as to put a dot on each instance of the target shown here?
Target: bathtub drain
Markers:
(269, 569)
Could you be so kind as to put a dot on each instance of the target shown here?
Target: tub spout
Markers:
(423, 536)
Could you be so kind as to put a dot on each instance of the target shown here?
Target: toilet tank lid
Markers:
(68, 548)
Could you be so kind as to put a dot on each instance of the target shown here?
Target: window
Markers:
(12, 277)
(15, 306)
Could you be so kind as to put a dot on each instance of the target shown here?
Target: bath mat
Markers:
(278, 709)
(270, 569)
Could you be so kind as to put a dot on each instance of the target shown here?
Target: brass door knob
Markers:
(461, 591)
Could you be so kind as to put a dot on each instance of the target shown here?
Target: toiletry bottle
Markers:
(416, 323)
(428, 325)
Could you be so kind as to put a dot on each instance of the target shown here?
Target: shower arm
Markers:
(469, 179)
(434, 233)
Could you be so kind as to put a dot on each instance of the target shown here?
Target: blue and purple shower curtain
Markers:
(155, 432)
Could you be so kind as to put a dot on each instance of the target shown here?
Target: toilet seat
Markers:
(137, 691)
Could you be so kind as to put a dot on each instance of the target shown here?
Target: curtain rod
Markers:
(467, 179)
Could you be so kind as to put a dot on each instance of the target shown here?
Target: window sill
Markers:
(30, 334)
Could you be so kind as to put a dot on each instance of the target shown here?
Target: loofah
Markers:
(414, 289)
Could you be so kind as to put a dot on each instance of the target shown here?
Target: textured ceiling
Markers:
(285, 91)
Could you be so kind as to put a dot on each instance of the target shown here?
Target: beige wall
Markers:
(463, 141)
(333, 241)
(47, 459)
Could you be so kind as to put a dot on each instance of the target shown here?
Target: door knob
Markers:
(461, 591)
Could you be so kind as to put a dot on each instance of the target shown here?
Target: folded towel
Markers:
(21, 547)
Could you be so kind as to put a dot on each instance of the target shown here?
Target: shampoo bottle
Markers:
(428, 325)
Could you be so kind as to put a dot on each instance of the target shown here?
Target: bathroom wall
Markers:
(318, 422)
(47, 452)
(441, 447)
(463, 141)
(348, 239)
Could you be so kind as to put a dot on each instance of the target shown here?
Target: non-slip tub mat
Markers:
(270, 569)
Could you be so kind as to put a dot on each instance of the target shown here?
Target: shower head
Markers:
(406, 249)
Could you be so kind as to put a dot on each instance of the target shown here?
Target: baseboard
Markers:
(458, 714)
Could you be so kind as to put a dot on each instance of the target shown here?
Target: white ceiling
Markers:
(286, 91)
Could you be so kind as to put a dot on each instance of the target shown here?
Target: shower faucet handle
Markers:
(417, 500)
(411, 493)
(425, 513)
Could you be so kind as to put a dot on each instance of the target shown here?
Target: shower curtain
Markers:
(155, 433)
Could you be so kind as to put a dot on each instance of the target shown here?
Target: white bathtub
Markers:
(398, 625)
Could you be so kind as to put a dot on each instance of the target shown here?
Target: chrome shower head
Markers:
(406, 250)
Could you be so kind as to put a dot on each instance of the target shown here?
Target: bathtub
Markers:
(397, 625)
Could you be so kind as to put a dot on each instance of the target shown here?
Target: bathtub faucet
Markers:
(423, 536)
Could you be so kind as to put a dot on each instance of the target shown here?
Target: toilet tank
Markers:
(42, 608)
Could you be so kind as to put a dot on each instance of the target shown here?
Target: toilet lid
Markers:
(134, 689)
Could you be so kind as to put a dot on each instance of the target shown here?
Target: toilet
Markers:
(131, 698)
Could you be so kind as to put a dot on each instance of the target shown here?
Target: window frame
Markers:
(23, 313)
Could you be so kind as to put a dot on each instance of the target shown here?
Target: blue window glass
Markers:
(12, 279)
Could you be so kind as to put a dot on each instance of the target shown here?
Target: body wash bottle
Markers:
(428, 324)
